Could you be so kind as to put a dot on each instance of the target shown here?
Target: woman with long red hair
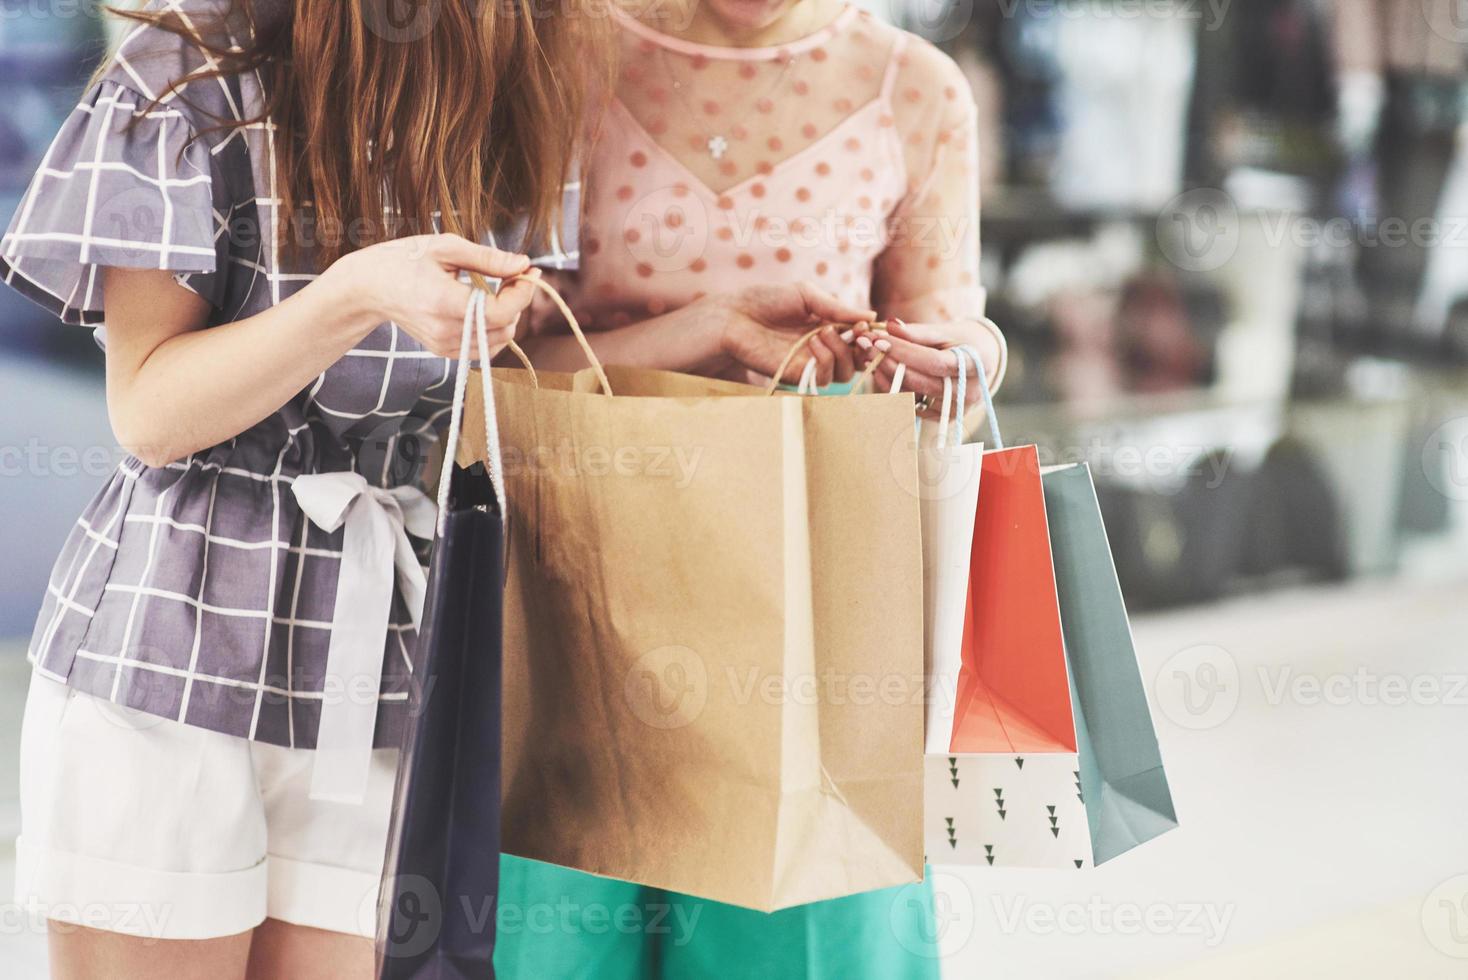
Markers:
(271, 206)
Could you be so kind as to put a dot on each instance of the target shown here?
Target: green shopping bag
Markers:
(1128, 800)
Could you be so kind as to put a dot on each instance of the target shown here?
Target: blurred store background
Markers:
(1228, 241)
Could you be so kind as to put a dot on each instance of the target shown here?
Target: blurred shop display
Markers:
(1125, 118)
(1402, 81)
(47, 52)
(1314, 142)
(1188, 226)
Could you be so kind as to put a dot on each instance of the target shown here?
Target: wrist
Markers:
(714, 327)
(989, 342)
(349, 297)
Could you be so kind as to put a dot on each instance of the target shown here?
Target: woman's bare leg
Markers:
(79, 953)
(282, 951)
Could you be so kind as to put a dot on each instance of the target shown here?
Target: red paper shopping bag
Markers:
(1013, 690)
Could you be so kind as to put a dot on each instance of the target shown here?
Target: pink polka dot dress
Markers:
(847, 158)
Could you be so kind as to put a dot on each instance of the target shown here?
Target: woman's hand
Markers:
(756, 326)
(414, 282)
(920, 346)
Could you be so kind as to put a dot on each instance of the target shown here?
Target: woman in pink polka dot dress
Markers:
(762, 164)
(763, 160)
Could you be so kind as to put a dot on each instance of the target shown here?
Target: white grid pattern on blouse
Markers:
(162, 546)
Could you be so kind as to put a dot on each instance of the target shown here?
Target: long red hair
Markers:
(463, 122)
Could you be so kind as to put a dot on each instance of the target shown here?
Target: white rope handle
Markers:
(947, 411)
(959, 354)
(475, 326)
(807, 385)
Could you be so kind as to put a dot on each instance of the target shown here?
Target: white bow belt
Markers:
(377, 523)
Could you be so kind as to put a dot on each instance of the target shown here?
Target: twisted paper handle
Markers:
(556, 298)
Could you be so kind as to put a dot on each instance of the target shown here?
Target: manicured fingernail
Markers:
(863, 343)
(884, 345)
(846, 337)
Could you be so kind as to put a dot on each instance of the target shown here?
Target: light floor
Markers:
(1325, 826)
(1323, 832)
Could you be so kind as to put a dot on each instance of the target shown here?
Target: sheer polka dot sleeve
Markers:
(929, 272)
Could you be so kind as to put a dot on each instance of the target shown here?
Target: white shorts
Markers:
(137, 824)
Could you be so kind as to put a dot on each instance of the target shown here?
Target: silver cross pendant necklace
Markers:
(717, 143)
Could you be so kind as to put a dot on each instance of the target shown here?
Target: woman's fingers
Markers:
(917, 382)
(825, 360)
(795, 305)
(460, 253)
(505, 307)
(917, 357)
(769, 347)
(925, 385)
(927, 334)
(825, 306)
(843, 360)
(833, 357)
(442, 329)
(763, 349)
(972, 333)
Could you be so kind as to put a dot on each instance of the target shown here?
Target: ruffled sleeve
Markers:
(930, 270)
(126, 183)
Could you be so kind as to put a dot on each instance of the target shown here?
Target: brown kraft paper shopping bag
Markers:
(713, 635)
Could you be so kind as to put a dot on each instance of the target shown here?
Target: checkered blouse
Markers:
(198, 591)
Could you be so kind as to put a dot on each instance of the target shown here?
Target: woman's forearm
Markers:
(181, 392)
(175, 387)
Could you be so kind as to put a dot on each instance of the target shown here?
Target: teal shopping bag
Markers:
(1127, 798)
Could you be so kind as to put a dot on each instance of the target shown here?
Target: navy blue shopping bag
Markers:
(440, 882)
